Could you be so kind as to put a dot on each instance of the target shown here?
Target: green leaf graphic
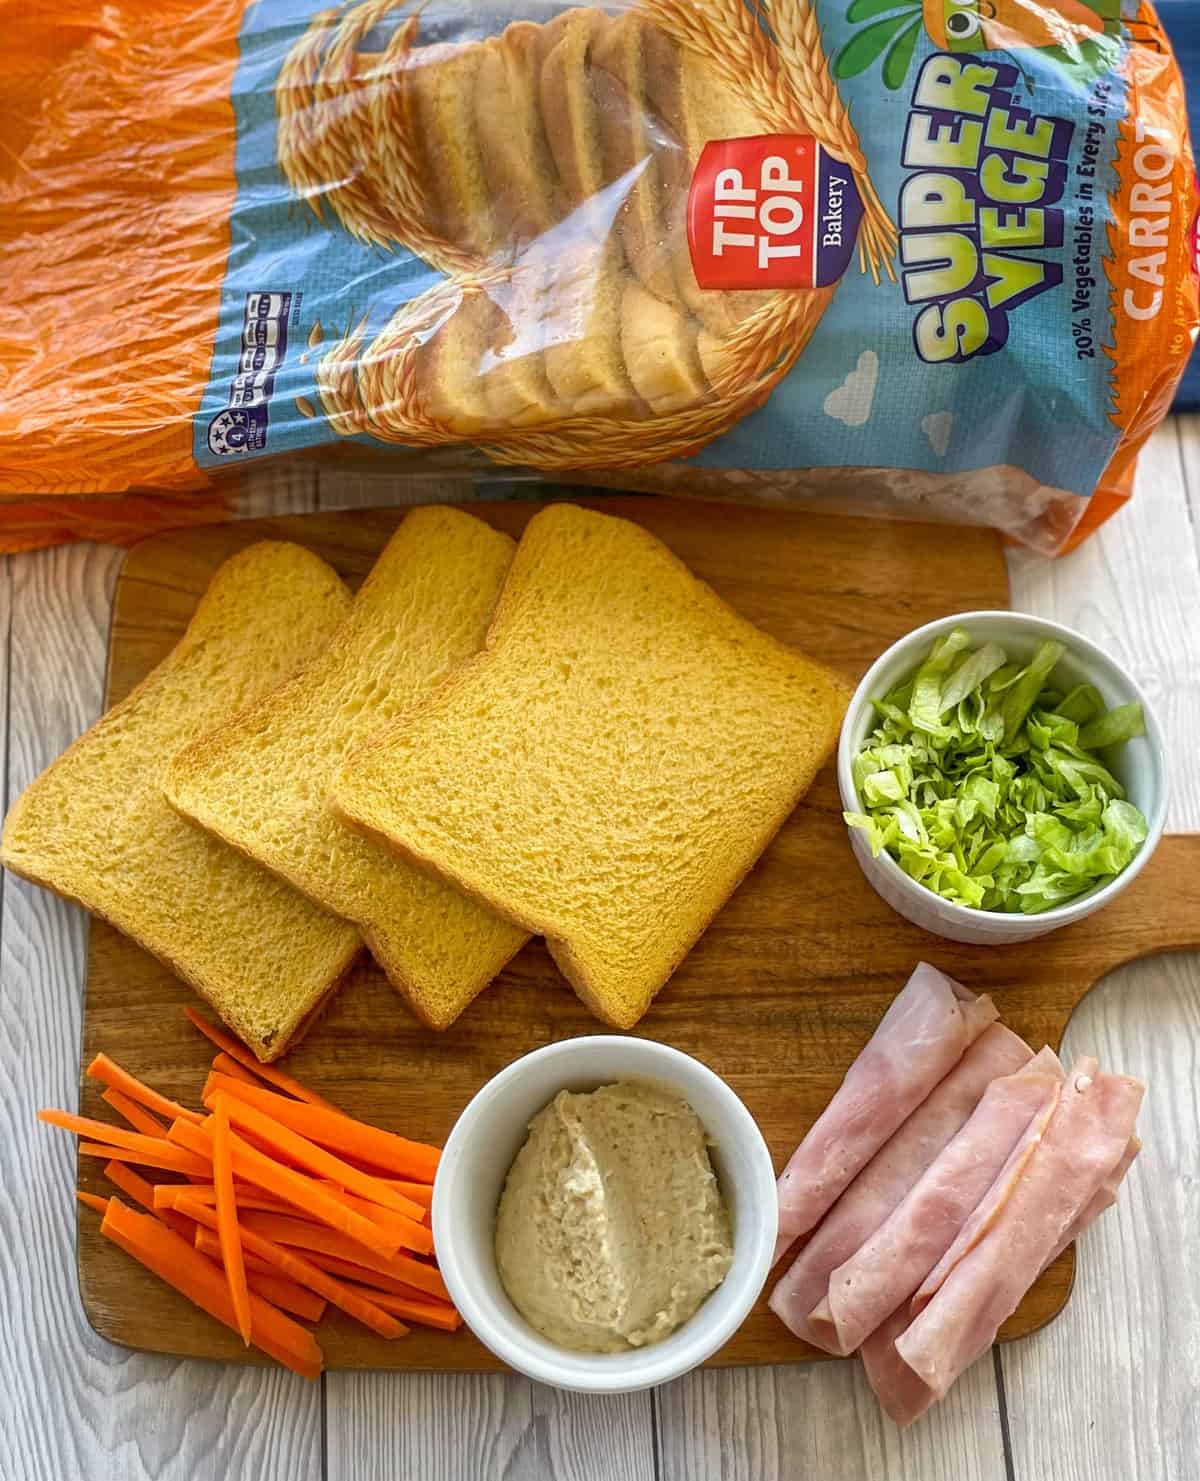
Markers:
(899, 58)
(867, 10)
(861, 50)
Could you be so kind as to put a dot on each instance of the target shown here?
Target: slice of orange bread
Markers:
(96, 828)
(259, 783)
(608, 769)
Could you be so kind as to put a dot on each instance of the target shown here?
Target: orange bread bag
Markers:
(927, 257)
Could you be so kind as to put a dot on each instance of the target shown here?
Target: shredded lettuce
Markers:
(982, 781)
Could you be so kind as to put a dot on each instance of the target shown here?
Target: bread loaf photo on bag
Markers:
(95, 827)
(611, 765)
(546, 171)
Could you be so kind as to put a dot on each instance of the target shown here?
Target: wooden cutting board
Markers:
(779, 995)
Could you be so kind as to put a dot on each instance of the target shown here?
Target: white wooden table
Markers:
(1109, 1392)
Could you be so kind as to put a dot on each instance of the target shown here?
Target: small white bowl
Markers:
(475, 1163)
(1139, 765)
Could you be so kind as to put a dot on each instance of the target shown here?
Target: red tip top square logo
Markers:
(773, 211)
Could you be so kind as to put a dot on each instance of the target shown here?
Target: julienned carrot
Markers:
(288, 1295)
(227, 1220)
(303, 1271)
(113, 1136)
(209, 1243)
(110, 1073)
(142, 1192)
(421, 1193)
(418, 1192)
(308, 1236)
(138, 1116)
(227, 1065)
(248, 1197)
(253, 1166)
(159, 1154)
(331, 1128)
(175, 1261)
(322, 1164)
(413, 1234)
(365, 1276)
(427, 1313)
(92, 1200)
(244, 1057)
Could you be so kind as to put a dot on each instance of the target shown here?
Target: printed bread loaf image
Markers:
(561, 175)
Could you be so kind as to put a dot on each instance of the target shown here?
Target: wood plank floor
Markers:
(1109, 1392)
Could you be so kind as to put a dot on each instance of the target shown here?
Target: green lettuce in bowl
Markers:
(985, 783)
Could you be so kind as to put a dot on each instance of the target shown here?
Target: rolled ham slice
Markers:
(887, 1268)
(1105, 1197)
(893, 1170)
(1019, 1225)
(922, 1036)
(902, 1396)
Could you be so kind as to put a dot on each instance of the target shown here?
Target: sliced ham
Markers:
(922, 1036)
(1019, 1225)
(902, 1396)
(902, 1393)
(887, 1268)
(893, 1170)
(1104, 1198)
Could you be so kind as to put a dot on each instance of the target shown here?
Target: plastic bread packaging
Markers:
(933, 258)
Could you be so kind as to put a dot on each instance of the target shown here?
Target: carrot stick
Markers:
(138, 1116)
(225, 1064)
(213, 1083)
(141, 1192)
(175, 1261)
(306, 1236)
(413, 1235)
(110, 1073)
(243, 1056)
(209, 1244)
(98, 1130)
(382, 1149)
(288, 1295)
(93, 1200)
(421, 1193)
(348, 1270)
(261, 1277)
(317, 1202)
(113, 1136)
(248, 1197)
(303, 1271)
(427, 1313)
(227, 1220)
(314, 1159)
(169, 1158)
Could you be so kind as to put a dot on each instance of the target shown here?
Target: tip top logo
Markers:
(771, 211)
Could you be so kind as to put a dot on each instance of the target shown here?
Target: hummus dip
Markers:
(611, 1228)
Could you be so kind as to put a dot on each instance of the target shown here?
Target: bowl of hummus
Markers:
(605, 1214)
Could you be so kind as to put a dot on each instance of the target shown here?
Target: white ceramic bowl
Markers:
(475, 1163)
(1140, 766)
